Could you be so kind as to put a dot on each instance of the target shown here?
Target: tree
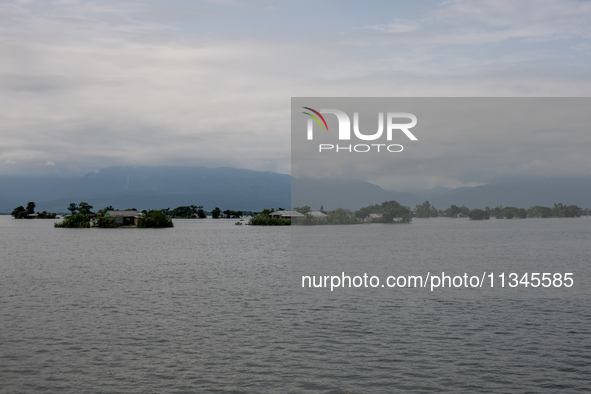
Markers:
(496, 210)
(85, 208)
(103, 221)
(73, 207)
(539, 212)
(263, 219)
(46, 215)
(215, 214)
(512, 212)
(423, 210)
(453, 211)
(201, 213)
(363, 212)
(76, 220)
(154, 219)
(19, 212)
(31, 208)
(433, 212)
(232, 214)
(182, 212)
(559, 210)
(572, 211)
(479, 214)
(392, 209)
(342, 216)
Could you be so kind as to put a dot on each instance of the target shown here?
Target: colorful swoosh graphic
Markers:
(315, 118)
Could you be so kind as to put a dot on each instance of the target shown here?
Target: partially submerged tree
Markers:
(19, 212)
(154, 219)
(479, 214)
(215, 214)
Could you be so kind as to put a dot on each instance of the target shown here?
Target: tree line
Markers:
(390, 211)
(559, 210)
(83, 216)
(21, 212)
(394, 212)
(197, 212)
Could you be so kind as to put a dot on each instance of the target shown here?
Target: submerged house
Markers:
(372, 216)
(286, 214)
(124, 218)
(317, 214)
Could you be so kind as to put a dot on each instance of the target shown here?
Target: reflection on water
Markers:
(208, 306)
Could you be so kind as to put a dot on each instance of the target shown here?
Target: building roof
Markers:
(126, 214)
(287, 214)
(374, 215)
(317, 214)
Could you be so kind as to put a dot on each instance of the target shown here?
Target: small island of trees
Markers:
(387, 212)
(393, 212)
(82, 216)
(21, 212)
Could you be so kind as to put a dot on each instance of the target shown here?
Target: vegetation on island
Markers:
(558, 211)
(479, 214)
(263, 219)
(154, 219)
(76, 220)
(426, 210)
(82, 215)
(388, 212)
(21, 212)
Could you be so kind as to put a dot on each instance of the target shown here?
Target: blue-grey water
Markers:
(208, 306)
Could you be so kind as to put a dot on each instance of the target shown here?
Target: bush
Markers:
(342, 216)
(77, 220)
(265, 220)
(478, 214)
(46, 215)
(154, 219)
(104, 222)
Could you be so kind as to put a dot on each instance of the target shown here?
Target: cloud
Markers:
(469, 22)
(94, 84)
(398, 26)
(461, 141)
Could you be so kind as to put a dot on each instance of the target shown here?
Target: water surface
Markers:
(208, 306)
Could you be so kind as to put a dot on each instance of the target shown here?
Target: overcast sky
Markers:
(91, 84)
(460, 141)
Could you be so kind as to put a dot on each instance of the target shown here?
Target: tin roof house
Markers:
(124, 218)
(286, 214)
(317, 214)
(372, 216)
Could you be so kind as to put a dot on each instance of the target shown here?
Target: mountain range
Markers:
(239, 189)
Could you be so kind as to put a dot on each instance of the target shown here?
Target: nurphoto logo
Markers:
(344, 130)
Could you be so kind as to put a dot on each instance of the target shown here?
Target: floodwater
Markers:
(208, 306)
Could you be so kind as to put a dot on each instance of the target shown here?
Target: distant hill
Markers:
(151, 188)
(520, 192)
(232, 188)
(334, 194)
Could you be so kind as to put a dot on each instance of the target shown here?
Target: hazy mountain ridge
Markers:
(151, 188)
(522, 192)
(232, 188)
